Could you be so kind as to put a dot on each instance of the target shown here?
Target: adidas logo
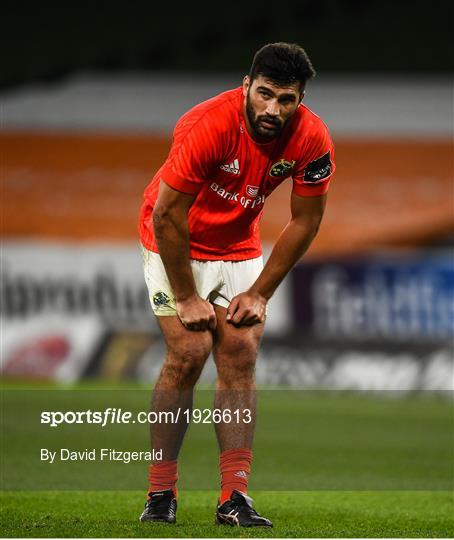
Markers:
(233, 167)
(241, 474)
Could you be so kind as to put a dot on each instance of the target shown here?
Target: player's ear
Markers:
(303, 93)
(246, 83)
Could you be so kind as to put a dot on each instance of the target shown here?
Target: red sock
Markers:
(163, 475)
(235, 467)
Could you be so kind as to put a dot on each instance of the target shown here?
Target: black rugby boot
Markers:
(161, 506)
(239, 512)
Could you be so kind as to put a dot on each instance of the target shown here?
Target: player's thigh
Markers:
(184, 344)
(235, 343)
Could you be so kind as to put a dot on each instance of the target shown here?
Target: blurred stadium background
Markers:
(89, 102)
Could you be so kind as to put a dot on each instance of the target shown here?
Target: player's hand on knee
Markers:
(196, 314)
(247, 308)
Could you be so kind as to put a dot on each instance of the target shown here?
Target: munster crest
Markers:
(281, 168)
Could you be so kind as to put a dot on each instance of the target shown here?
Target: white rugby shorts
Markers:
(216, 281)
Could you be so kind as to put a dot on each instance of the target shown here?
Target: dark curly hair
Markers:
(282, 63)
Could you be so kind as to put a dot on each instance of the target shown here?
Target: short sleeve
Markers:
(192, 155)
(313, 174)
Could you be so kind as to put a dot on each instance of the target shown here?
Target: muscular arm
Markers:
(307, 212)
(293, 242)
(170, 222)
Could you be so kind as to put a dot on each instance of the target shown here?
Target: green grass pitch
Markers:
(326, 464)
(295, 514)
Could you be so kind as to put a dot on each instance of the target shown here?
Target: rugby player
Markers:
(199, 227)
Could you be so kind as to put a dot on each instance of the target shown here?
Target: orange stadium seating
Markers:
(386, 192)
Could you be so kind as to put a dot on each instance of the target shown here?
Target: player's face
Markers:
(269, 107)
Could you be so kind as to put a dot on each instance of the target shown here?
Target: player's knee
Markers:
(241, 346)
(186, 360)
(236, 360)
(244, 368)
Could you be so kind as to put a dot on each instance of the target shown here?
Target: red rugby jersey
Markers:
(214, 158)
